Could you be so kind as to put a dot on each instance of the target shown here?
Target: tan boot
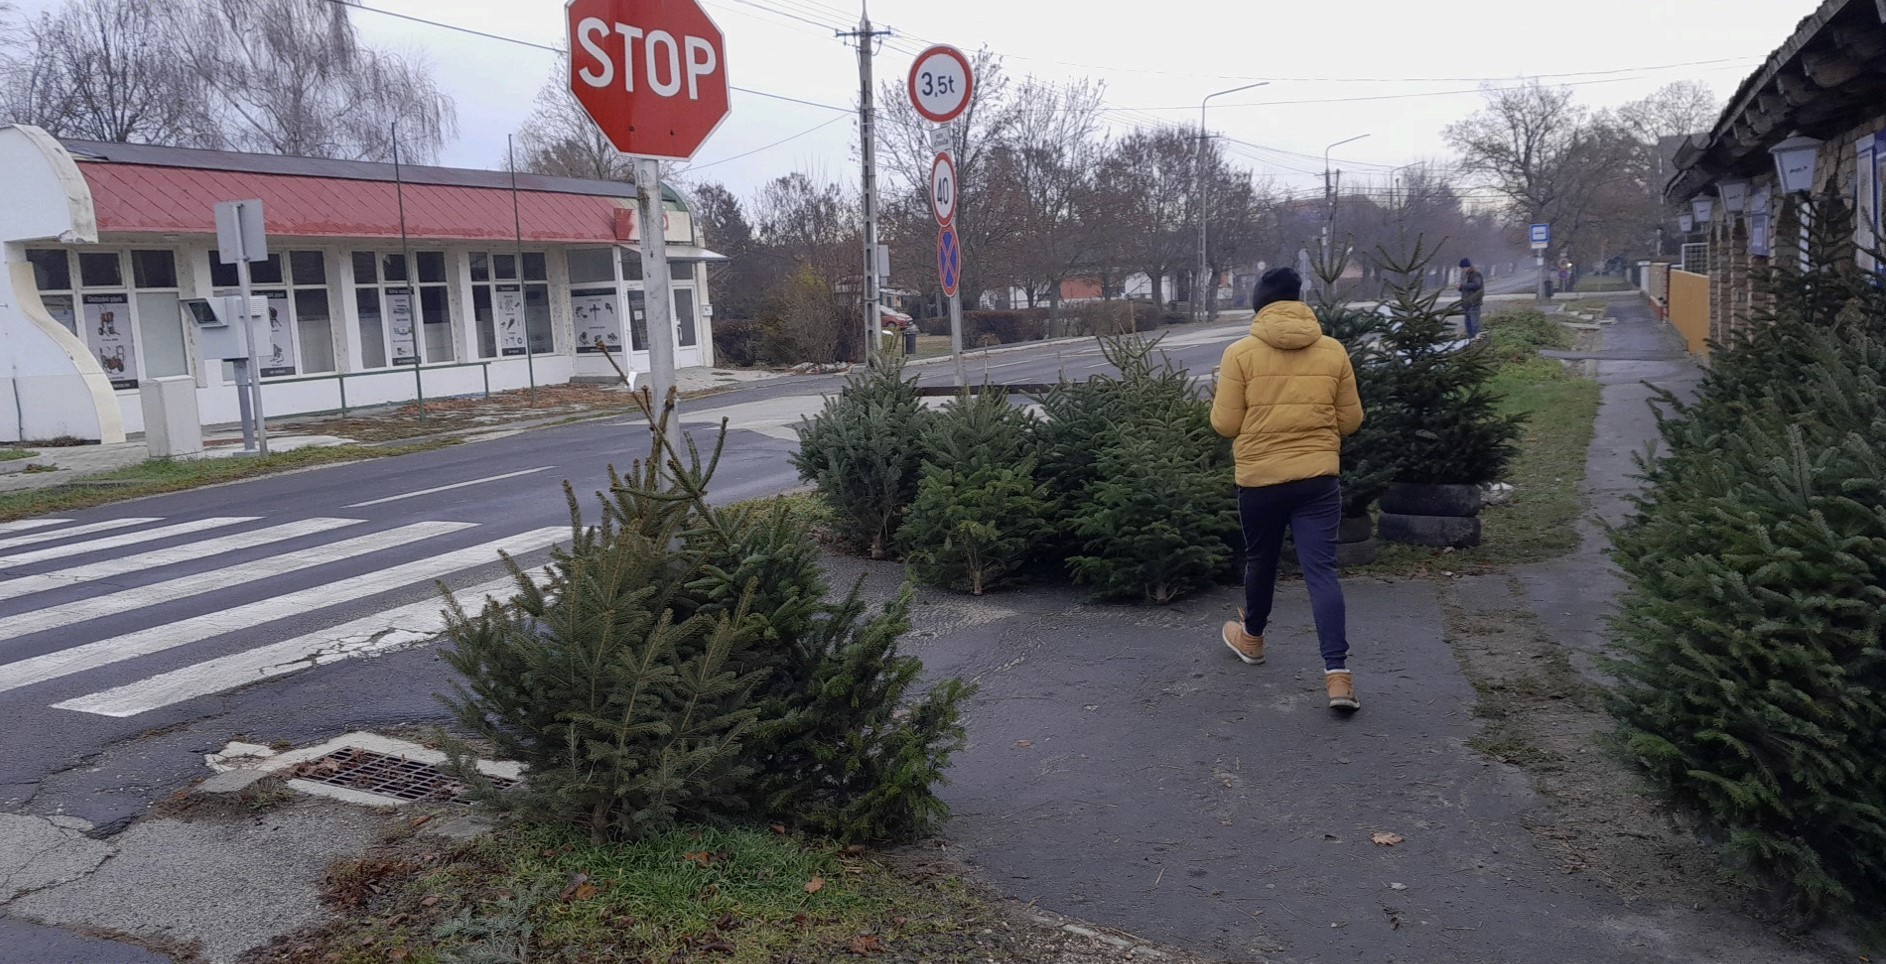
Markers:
(1341, 685)
(1248, 647)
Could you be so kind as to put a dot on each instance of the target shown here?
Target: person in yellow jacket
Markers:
(1287, 395)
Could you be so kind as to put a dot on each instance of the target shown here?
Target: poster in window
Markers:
(507, 310)
(594, 312)
(1758, 235)
(278, 350)
(399, 315)
(60, 308)
(108, 331)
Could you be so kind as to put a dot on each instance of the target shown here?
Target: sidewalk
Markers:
(1126, 769)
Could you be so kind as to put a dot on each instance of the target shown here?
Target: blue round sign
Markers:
(949, 259)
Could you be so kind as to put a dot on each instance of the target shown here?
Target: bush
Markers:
(1007, 327)
(739, 341)
(1518, 336)
(980, 514)
(1754, 565)
(864, 452)
(683, 664)
(804, 320)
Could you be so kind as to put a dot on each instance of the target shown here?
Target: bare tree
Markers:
(1043, 174)
(736, 282)
(100, 70)
(1149, 177)
(560, 140)
(1683, 107)
(292, 77)
(1518, 145)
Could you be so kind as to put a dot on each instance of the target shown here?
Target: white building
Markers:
(448, 273)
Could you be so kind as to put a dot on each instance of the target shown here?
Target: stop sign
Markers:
(651, 73)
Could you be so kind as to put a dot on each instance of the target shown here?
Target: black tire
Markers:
(1352, 554)
(1459, 501)
(1437, 531)
(1355, 529)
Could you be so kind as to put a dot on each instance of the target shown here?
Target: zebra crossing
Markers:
(121, 617)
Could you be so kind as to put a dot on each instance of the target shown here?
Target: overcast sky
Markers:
(1395, 70)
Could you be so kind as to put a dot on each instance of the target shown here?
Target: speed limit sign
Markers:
(940, 83)
(943, 189)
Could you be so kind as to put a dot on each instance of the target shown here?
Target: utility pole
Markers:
(1329, 194)
(1199, 290)
(867, 142)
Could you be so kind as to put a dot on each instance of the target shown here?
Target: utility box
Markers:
(171, 424)
(221, 334)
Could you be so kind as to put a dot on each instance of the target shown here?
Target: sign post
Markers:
(241, 237)
(652, 74)
(941, 84)
(1541, 235)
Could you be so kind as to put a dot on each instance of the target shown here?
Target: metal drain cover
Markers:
(386, 775)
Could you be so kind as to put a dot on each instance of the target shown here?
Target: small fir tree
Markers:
(1441, 423)
(980, 515)
(684, 662)
(864, 452)
(1367, 456)
(1156, 523)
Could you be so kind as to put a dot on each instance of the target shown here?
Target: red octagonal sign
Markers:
(651, 73)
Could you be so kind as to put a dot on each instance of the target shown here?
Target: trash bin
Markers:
(887, 340)
(910, 342)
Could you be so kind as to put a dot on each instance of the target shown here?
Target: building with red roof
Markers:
(478, 281)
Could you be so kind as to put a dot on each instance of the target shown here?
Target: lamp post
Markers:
(1329, 193)
(1795, 162)
(1198, 283)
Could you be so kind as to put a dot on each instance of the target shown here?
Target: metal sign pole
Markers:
(956, 338)
(650, 216)
(254, 362)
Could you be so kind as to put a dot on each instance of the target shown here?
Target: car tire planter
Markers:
(1440, 516)
(1355, 542)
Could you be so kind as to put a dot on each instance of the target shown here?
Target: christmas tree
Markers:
(980, 514)
(864, 452)
(1755, 566)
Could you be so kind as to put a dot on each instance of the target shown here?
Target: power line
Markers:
(1389, 80)
(1374, 97)
(727, 160)
(559, 51)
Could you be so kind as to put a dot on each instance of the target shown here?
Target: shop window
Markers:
(592, 266)
(307, 268)
(366, 268)
(436, 310)
(638, 321)
(260, 272)
(510, 317)
(431, 267)
(372, 330)
(154, 269)
(631, 265)
(393, 267)
(101, 269)
(681, 270)
(160, 327)
(52, 270)
(536, 266)
(314, 324)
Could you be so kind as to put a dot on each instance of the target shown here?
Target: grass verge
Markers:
(738, 895)
(158, 476)
(7, 454)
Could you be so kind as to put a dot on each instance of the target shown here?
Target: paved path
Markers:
(1123, 767)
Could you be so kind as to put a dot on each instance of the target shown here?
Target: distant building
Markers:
(366, 281)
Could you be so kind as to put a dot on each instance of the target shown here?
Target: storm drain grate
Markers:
(386, 775)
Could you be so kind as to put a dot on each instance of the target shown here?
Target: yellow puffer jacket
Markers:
(1287, 394)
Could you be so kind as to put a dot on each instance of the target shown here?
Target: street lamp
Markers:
(1329, 193)
(1198, 283)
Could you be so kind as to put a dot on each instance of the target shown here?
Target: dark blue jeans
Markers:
(1312, 508)
(1473, 321)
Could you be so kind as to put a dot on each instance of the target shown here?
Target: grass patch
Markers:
(738, 895)
(7, 454)
(158, 476)
(1603, 282)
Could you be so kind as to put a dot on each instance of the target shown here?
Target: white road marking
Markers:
(23, 585)
(157, 639)
(448, 488)
(127, 600)
(128, 539)
(85, 530)
(25, 524)
(370, 635)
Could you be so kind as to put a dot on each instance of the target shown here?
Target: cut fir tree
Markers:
(980, 513)
(864, 453)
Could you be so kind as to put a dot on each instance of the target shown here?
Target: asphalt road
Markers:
(137, 636)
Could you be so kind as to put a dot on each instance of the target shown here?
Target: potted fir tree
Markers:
(1441, 424)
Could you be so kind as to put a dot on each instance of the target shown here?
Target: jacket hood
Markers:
(1288, 325)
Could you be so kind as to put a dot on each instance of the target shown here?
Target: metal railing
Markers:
(404, 371)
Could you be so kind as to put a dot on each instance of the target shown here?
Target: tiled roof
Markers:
(146, 198)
